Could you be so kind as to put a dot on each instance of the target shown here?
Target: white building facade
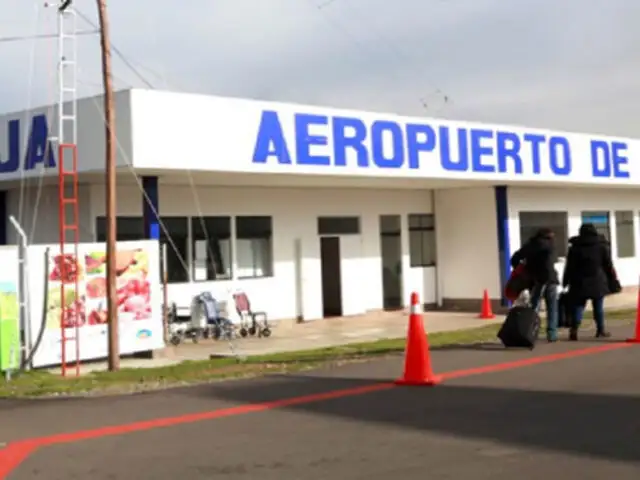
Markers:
(317, 212)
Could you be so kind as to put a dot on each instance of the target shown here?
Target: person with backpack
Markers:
(538, 255)
(589, 275)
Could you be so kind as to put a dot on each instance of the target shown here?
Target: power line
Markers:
(120, 55)
(95, 31)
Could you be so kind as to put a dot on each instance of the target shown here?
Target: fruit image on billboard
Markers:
(132, 286)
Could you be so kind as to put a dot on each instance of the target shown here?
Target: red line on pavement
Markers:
(528, 362)
(17, 452)
(13, 455)
(210, 415)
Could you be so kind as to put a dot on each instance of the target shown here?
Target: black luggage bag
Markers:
(520, 328)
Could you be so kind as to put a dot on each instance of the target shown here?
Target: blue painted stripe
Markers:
(151, 208)
(504, 240)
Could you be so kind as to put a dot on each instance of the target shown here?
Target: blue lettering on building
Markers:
(37, 151)
(338, 141)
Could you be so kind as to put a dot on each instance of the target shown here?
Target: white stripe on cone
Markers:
(415, 305)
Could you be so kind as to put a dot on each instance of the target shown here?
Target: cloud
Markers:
(568, 65)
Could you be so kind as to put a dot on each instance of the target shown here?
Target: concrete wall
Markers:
(38, 215)
(574, 201)
(295, 213)
(467, 245)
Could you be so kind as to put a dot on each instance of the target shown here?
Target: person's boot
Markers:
(602, 333)
(573, 334)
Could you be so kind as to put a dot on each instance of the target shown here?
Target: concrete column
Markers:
(151, 208)
(504, 250)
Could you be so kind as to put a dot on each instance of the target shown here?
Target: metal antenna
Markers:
(66, 140)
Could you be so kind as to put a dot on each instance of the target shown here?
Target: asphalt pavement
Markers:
(567, 409)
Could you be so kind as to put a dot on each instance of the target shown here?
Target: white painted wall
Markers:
(574, 201)
(466, 228)
(39, 214)
(467, 256)
(295, 213)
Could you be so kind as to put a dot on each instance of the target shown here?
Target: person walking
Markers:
(590, 276)
(539, 257)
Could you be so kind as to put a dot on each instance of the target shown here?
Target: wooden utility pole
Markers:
(110, 174)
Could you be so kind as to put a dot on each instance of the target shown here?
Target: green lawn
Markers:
(39, 384)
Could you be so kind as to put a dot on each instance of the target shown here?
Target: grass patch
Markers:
(129, 380)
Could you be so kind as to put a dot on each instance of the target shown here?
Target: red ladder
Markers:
(69, 234)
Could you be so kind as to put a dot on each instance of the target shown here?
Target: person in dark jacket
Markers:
(539, 257)
(588, 273)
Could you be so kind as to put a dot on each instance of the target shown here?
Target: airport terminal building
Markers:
(317, 212)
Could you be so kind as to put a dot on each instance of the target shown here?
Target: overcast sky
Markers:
(568, 64)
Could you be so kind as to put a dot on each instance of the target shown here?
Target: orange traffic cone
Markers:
(486, 313)
(636, 337)
(417, 359)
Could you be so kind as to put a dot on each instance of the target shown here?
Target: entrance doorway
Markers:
(391, 255)
(331, 276)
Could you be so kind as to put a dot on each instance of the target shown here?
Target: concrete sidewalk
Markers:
(338, 331)
(289, 336)
(363, 328)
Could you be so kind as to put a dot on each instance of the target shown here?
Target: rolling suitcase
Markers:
(520, 328)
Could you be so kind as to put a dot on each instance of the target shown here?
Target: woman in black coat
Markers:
(589, 274)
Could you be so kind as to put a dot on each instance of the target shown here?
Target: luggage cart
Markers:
(207, 320)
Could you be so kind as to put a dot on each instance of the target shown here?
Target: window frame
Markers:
(261, 246)
(166, 222)
(562, 241)
(426, 230)
(101, 221)
(587, 216)
(200, 222)
(630, 223)
(335, 226)
(266, 235)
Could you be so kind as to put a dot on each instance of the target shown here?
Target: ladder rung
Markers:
(69, 200)
(69, 173)
(70, 227)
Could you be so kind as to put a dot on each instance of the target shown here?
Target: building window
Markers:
(390, 225)
(127, 229)
(211, 248)
(531, 222)
(422, 240)
(254, 249)
(338, 225)
(174, 233)
(625, 238)
(600, 220)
